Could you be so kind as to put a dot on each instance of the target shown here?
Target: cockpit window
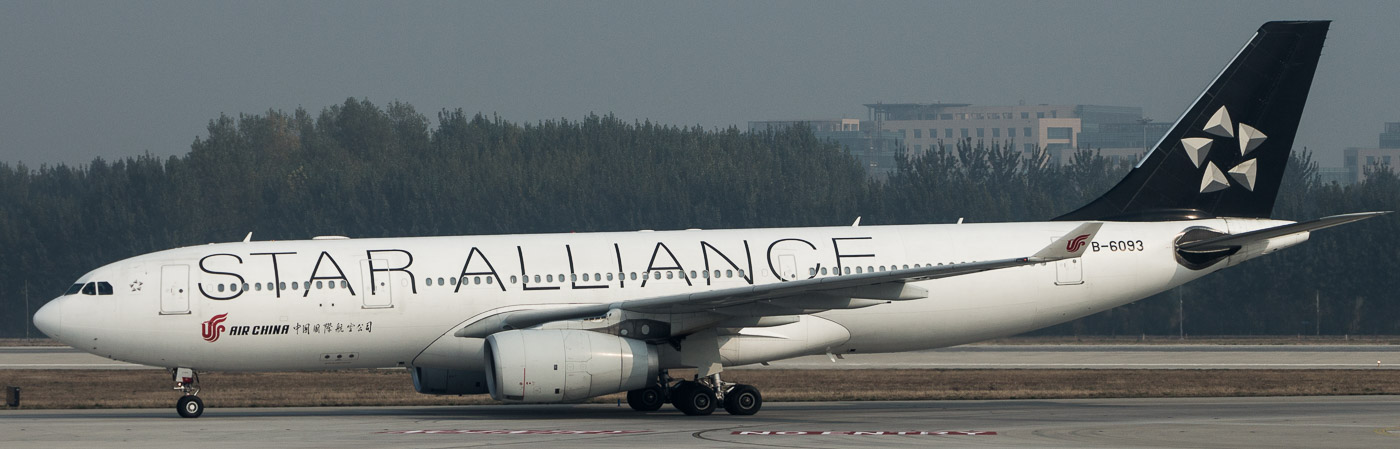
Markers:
(104, 288)
(90, 288)
(73, 290)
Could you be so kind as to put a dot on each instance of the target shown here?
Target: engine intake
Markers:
(565, 365)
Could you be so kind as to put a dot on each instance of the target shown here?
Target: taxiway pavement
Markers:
(1336, 422)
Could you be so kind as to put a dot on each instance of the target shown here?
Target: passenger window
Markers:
(549, 278)
(330, 284)
(512, 279)
(104, 288)
(610, 276)
(670, 274)
(221, 288)
(634, 275)
(318, 285)
(281, 285)
(848, 270)
(741, 273)
(257, 286)
(858, 270)
(572, 277)
(729, 273)
(344, 284)
(428, 282)
(296, 285)
(537, 279)
(245, 286)
(906, 266)
(452, 281)
(488, 280)
(823, 271)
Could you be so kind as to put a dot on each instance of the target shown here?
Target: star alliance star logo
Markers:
(136, 286)
(1197, 148)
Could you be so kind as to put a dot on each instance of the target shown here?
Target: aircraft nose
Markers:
(49, 318)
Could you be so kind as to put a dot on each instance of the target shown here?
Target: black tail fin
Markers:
(1225, 156)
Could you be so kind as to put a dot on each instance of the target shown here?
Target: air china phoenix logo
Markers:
(1076, 243)
(214, 327)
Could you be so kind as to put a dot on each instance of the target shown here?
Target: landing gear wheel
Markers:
(189, 406)
(743, 400)
(693, 398)
(648, 399)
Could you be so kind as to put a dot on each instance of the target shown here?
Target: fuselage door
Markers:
(378, 292)
(175, 290)
(1069, 271)
(787, 267)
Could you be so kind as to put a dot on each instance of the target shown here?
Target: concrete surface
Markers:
(1334, 422)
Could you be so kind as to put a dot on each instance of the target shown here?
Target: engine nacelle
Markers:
(565, 365)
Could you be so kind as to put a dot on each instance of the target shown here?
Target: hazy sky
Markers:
(115, 79)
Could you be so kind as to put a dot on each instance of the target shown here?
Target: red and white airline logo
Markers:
(1076, 243)
(214, 327)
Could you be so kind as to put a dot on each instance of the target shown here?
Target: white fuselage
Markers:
(397, 301)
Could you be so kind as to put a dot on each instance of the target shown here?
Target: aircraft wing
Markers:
(1229, 241)
(821, 293)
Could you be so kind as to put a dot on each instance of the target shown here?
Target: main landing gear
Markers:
(697, 397)
(187, 381)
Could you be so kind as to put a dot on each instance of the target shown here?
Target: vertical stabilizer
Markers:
(1225, 156)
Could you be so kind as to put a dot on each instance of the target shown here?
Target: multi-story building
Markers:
(1359, 163)
(876, 151)
(1120, 132)
(1391, 137)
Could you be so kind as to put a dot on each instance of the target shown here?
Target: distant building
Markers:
(1336, 175)
(875, 151)
(1120, 132)
(1358, 163)
(1391, 137)
(1361, 162)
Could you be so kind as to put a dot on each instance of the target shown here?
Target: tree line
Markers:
(362, 170)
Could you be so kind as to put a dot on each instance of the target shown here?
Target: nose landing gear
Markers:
(187, 381)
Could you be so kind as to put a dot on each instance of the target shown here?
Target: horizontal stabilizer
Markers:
(1069, 245)
(1237, 240)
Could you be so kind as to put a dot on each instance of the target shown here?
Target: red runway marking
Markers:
(863, 432)
(511, 432)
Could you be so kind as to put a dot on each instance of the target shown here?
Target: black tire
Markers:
(648, 399)
(743, 400)
(189, 406)
(693, 399)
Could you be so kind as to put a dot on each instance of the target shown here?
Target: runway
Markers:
(1339, 422)
(966, 357)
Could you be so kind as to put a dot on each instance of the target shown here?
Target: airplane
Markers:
(561, 318)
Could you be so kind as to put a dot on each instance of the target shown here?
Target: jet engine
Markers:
(565, 365)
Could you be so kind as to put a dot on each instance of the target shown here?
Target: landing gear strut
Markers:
(189, 405)
(697, 397)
